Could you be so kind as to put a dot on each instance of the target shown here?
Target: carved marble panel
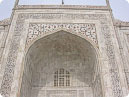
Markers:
(128, 37)
(127, 77)
(127, 72)
(97, 87)
(61, 93)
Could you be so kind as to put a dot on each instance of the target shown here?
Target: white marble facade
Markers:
(59, 51)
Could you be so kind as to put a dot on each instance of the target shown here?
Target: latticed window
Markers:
(61, 78)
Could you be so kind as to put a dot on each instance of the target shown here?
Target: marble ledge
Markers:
(76, 7)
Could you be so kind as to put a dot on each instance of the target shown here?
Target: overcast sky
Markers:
(120, 7)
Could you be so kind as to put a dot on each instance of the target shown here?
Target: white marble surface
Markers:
(112, 51)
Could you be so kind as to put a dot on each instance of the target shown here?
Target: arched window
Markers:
(61, 78)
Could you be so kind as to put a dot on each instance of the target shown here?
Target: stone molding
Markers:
(5, 22)
(120, 23)
(77, 7)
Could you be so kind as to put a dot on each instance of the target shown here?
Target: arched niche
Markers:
(75, 56)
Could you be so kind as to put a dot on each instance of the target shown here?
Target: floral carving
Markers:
(116, 86)
(36, 29)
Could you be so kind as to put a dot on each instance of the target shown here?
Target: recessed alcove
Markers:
(59, 65)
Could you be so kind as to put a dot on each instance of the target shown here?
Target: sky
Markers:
(120, 7)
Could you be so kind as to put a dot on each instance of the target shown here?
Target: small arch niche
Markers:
(59, 65)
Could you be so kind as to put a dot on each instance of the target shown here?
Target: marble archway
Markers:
(61, 52)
